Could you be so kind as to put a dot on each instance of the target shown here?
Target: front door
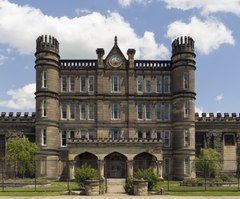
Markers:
(115, 169)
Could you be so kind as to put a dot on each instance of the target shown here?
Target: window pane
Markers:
(64, 111)
(72, 134)
(64, 84)
(148, 111)
(72, 111)
(185, 80)
(115, 84)
(139, 84)
(115, 111)
(186, 137)
(166, 84)
(91, 111)
(148, 135)
(92, 135)
(140, 111)
(148, 85)
(166, 138)
(159, 84)
(64, 138)
(140, 135)
(82, 111)
(91, 84)
(44, 137)
(83, 134)
(44, 108)
(186, 109)
(44, 79)
(166, 111)
(83, 84)
(159, 111)
(72, 84)
(116, 134)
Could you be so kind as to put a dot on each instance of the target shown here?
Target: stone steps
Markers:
(115, 185)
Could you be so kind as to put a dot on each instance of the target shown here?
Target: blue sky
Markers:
(149, 26)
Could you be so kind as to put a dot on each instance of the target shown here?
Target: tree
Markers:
(20, 156)
(208, 164)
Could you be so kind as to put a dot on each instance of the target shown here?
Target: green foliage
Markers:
(129, 186)
(85, 173)
(20, 156)
(149, 175)
(208, 163)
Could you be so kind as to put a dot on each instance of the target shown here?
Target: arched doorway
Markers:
(143, 161)
(86, 159)
(115, 165)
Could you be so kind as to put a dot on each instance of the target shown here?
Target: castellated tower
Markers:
(47, 105)
(183, 106)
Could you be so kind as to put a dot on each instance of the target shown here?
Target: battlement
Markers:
(18, 117)
(152, 64)
(47, 43)
(183, 44)
(217, 118)
(78, 64)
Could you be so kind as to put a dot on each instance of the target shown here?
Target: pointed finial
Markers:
(115, 40)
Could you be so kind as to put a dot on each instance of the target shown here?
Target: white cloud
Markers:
(199, 110)
(82, 11)
(202, 33)
(21, 98)
(79, 37)
(127, 3)
(2, 59)
(206, 6)
(219, 98)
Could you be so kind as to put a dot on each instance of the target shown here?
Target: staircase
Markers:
(115, 185)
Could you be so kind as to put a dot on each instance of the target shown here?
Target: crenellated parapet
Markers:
(11, 117)
(217, 118)
(47, 43)
(183, 44)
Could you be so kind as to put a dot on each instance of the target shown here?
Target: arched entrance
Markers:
(115, 165)
(143, 161)
(86, 159)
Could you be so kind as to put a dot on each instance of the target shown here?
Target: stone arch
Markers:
(86, 158)
(115, 165)
(144, 160)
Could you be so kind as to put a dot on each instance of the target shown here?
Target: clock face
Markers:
(115, 61)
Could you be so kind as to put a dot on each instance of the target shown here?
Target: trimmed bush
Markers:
(85, 173)
(149, 175)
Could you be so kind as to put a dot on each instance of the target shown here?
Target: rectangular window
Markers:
(83, 84)
(159, 111)
(82, 111)
(91, 111)
(83, 134)
(166, 166)
(159, 136)
(166, 107)
(72, 84)
(92, 135)
(166, 138)
(44, 108)
(64, 138)
(185, 80)
(44, 79)
(63, 111)
(115, 134)
(148, 85)
(139, 111)
(115, 84)
(91, 84)
(140, 135)
(166, 84)
(140, 84)
(44, 137)
(158, 84)
(72, 134)
(229, 140)
(72, 111)
(115, 111)
(187, 166)
(64, 84)
(148, 135)
(186, 108)
(148, 115)
(186, 137)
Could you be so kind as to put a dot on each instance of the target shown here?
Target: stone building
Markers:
(119, 114)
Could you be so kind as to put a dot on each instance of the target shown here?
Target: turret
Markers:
(47, 103)
(183, 105)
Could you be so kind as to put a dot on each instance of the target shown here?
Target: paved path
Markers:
(119, 196)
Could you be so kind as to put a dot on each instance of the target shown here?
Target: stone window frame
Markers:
(186, 137)
(159, 85)
(44, 137)
(185, 80)
(116, 89)
(83, 87)
(186, 107)
(64, 83)
(148, 84)
(72, 111)
(118, 111)
(91, 83)
(72, 84)
(44, 108)
(139, 84)
(64, 138)
(66, 107)
(166, 84)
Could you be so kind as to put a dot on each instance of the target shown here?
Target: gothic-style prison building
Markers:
(119, 114)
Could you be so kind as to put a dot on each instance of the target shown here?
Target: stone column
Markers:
(71, 169)
(101, 168)
(130, 167)
(159, 168)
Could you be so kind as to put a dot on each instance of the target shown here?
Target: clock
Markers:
(115, 61)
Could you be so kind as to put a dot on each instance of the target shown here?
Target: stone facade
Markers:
(119, 114)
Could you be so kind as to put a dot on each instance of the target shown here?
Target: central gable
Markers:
(115, 58)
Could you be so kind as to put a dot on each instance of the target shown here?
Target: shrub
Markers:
(85, 173)
(129, 186)
(149, 175)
